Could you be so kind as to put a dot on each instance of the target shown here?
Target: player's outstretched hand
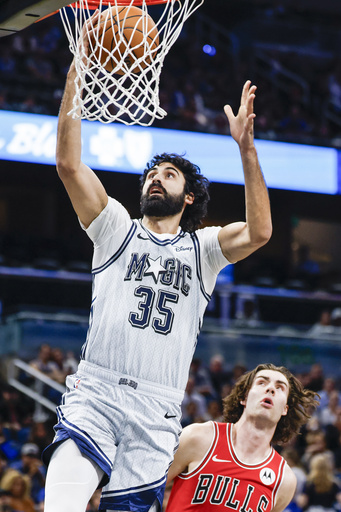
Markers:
(241, 125)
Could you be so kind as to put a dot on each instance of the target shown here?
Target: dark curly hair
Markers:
(196, 184)
(301, 402)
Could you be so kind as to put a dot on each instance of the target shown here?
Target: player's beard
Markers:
(164, 205)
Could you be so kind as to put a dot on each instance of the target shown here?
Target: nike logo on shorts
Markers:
(167, 416)
(215, 459)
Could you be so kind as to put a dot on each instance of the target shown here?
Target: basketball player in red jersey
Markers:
(232, 465)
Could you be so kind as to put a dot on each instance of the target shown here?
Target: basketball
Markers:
(125, 34)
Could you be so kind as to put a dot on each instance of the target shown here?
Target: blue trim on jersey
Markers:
(134, 499)
(84, 442)
(85, 344)
(167, 241)
(118, 253)
(199, 273)
(138, 488)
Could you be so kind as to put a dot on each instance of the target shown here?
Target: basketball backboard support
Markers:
(17, 15)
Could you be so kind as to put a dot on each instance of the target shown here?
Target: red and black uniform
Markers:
(222, 482)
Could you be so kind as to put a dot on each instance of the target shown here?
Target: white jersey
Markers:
(150, 292)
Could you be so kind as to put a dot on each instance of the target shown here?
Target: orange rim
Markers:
(93, 4)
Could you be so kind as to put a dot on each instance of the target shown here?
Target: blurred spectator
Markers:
(19, 489)
(201, 378)
(44, 362)
(59, 374)
(329, 385)
(5, 501)
(218, 375)
(237, 371)
(337, 452)
(9, 444)
(3, 464)
(328, 414)
(306, 267)
(192, 396)
(315, 377)
(335, 317)
(321, 492)
(41, 434)
(293, 459)
(190, 415)
(7, 62)
(30, 464)
(70, 364)
(214, 411)
(316, 444)
(334, 86)
(225, 390)
(323, 326)
(295, 122)
(16, 411)
(248, 315)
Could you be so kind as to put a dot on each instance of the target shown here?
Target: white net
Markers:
(119, 54)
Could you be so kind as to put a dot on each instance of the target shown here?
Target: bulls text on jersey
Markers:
(223, 489)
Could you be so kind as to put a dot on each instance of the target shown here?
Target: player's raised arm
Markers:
(240, 239)
(85, 190)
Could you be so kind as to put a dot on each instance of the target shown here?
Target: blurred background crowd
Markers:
(25, 430)
(289, 50)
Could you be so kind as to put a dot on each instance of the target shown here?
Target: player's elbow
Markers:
(262, 236)
(65, 168)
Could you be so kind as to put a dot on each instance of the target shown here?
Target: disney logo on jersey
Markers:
(170, 272)
(182, 248)
(267, 476)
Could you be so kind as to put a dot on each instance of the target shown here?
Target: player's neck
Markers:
(252, 444)
(162, 224)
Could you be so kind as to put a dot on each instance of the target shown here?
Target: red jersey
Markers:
(221, 481)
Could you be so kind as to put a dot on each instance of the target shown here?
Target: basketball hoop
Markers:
(109, 88)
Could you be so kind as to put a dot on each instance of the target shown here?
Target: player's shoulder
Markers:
(289, 478)
(195, 441)
(286, 490)
(207, 230)
(207, 234)
(196, 432)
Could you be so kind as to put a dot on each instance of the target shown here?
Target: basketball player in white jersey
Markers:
(119, 421)
(233, 464)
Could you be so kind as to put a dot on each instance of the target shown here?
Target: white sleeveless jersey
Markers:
(150, 292)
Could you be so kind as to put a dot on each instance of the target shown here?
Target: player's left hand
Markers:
(241, 125)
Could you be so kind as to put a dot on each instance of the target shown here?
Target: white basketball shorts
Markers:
(129, 427)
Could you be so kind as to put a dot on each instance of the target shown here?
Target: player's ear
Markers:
(285, 410)
(189, 198)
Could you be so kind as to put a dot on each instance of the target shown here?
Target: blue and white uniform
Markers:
(122, 407)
